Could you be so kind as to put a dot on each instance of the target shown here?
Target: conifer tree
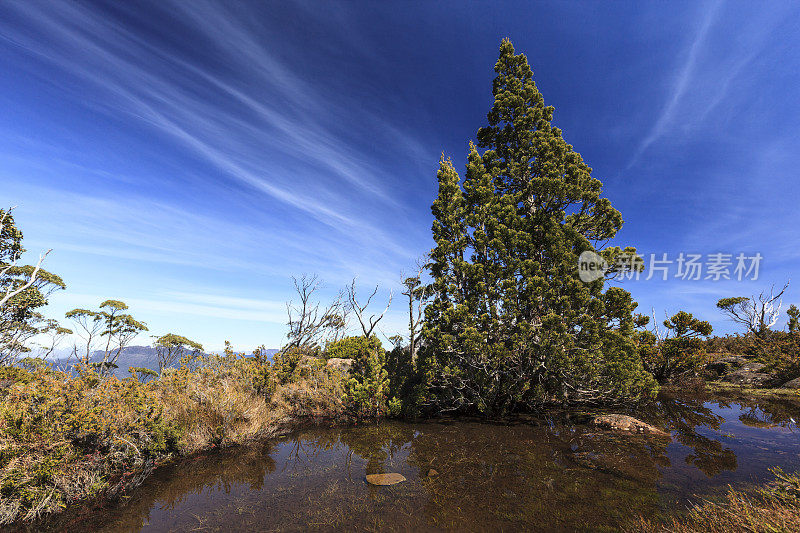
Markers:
(511, 325)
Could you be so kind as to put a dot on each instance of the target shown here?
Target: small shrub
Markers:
(681, 352)
(54, 427)
(367, 389)
(779, 350)
(285, 362)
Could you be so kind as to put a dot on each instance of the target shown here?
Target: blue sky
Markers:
(189, 157)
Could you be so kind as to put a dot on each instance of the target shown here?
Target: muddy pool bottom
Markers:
(543, 474)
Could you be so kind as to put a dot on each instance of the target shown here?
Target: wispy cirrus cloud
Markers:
(680, 85)
(233, 126)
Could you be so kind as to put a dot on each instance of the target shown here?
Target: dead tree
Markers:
(758, 313)
(309, 324)
(367, 323)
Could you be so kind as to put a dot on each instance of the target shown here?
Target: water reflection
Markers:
(550, 473)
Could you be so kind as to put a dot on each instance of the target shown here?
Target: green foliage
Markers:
(367, 390)
(112, 326)
(262, 375)
(352, 347)
(510, 325)
(726, 304)
(394, 407)
(171, 340)
(142, 373)
(51, 421)
(287, 361)
(758, 313)
(794, 319)
(20, 317)
(681, 351)
(171, 348)
(401, 370)
(779, 350)
(683, 326)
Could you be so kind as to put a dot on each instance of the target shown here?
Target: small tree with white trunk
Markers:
(23, 290)
(757, 313)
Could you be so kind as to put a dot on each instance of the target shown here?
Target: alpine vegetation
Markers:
(511, 326)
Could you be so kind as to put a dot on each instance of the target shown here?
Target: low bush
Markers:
(779, 350)
(68, 437)
(679, 353)
(367, 389)
(64, 437)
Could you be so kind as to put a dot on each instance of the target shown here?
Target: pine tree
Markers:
(512, 326)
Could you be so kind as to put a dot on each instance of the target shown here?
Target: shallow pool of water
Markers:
(551, 473)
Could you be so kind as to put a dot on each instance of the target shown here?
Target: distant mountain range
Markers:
(141, 356)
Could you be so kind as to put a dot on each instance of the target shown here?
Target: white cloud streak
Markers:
(681, 84)
(273, 116)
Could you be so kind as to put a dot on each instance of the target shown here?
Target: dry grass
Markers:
(66, 438)
(774, 508)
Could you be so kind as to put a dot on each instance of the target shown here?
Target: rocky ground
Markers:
(746, 372)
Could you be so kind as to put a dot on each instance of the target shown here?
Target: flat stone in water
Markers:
(626, 423)
(385, 479)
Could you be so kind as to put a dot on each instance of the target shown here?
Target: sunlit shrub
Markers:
(367, 389)
(58, 431)
(779, 350)
(679, 353)
(67, 437)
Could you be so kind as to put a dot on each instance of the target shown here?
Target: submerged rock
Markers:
(385, 479)
(626, 423)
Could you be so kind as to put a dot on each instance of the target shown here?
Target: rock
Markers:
(794, 384)
(722, 364)
(385, 479)
(751, 367)
(626, 423)
(342, 365)
(749, 375)
(432, 473)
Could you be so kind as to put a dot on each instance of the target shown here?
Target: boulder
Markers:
(722, 364)
(342, 365)
(748, 375)
(794, 384)
(626, 423)
(385, 479)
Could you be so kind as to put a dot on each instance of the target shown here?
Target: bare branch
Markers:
(308, 325)
(367, 323)
(757, 313)
(11, 293)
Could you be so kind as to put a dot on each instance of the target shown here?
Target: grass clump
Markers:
(69, 437)
(772, 508)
